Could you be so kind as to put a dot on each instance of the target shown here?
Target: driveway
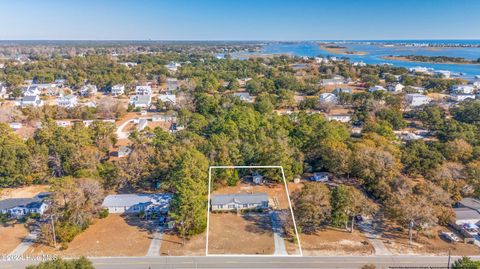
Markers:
(278, 235)
(374, 238)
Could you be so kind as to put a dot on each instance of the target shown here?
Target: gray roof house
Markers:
(231, 202)
(123, 151)
(136, 203)
(19, 207)
(467, 211)
(244, 96)
(142, 101)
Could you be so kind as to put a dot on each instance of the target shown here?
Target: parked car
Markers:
(450, 236)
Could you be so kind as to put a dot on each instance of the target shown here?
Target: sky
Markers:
(238, 19)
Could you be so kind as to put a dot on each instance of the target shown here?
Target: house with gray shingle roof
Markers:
(231, 202)
(19, 207)
(136, 203)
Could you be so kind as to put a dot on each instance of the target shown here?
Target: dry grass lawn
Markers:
(22, 192)
(334, 241)
(112, 236)
(398, 243)
(10, 237)
(249, 233)
(172, 245)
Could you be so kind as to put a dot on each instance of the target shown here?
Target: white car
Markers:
(450, 236)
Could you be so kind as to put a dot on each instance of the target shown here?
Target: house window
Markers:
(245, 205)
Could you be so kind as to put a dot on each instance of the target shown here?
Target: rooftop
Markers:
(254, 198)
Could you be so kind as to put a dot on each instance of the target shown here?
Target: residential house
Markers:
(15, 125)
(172, 84)
(395, 87)
(336, 80)
(328, 98)
(168, 98)
(461, 97)
(129, 64)
(232, 202)
(123, 151)
(63, 123)
(164, 118)
(3, 91)
(30, 100)
(319, 177)
(462, 89)
(359, 64)
(173, 66)
(243, 81)
(467, 211)
(420, 69)
(88, 90)
(117, 90)
(244, 96)
(415, 99)
(67, 101)
(143, 90)
(337, 91)
(443, 73)
(475, 83)
(141, 101)
(19, 207)
(60, 82)
(377, 88)
(31, 91)
(339, 117)
(137, 203)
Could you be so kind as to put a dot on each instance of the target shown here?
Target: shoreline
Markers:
(405, 59)
(341, 50)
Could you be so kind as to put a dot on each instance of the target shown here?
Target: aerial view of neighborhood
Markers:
(239, 134)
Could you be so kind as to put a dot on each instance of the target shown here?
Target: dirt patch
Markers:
(113, 236)
(23, 192)
(397, 242)
(172, 245)
(332, 241)
(248, 233)
(11, 236)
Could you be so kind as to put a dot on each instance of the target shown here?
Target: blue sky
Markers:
(239, 19)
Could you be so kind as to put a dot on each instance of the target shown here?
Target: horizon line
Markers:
(244, 40)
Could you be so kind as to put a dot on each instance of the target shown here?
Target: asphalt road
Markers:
(253, 262)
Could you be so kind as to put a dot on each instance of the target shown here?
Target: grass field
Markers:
(10, 237)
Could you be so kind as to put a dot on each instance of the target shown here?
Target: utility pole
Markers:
(53, 232)
(449, 253)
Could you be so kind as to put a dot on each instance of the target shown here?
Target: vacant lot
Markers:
(249, 233)
(10, 237)
(334, 241)
(22, 192)
(112, 236)
(172, 245)
(398, 243)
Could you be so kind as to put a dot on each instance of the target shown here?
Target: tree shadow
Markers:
(258, 222)
(145, 225)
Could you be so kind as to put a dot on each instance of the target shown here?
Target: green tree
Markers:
(80, 263)
(311, 206)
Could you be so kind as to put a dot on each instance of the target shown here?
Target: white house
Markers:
(117, 90)
(377, 88)
(173, 66)
(238, 201)
(319, 177)
(19, 207)
(141, 101)
(136, 203)
(475, 83)
(244, 96)
(336, 80)
(67, 101)
(420, 69)
(28, 100)
(143, 90)
(467, 211)
(462, 89)
(168, 98)
(415, 99)
(337, 91)
(395, 87)
(328, 98)
(461, 97)
(339, 117)
(88, 90)
(31, 91)
(15, 125)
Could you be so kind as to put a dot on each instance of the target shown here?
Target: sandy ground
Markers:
(249, 233)
(334, 241)
(22, 192)
(172, 245)
(10, 237)
(112, 236)
(398, 243)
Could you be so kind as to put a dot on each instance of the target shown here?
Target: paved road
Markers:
(258, 262)
(278, 235)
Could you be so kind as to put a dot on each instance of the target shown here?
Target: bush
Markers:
(103, 213)
(81, 263)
